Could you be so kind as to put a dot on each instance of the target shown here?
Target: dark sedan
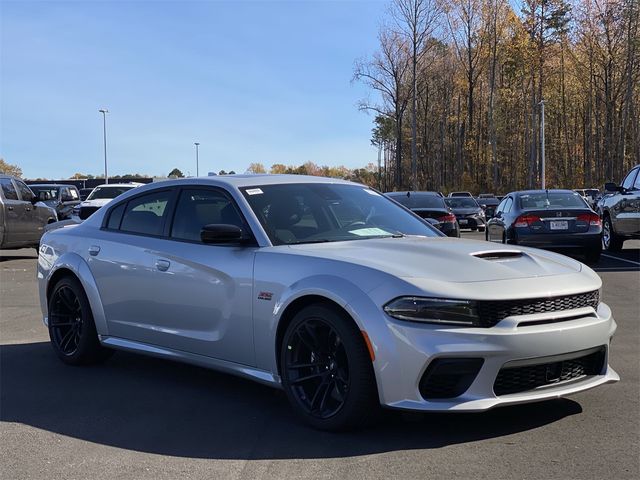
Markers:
(554, 219)
(431, 206)
(468, 212)
(488, 204)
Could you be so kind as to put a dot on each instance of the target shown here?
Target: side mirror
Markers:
(497, 214)
(221, 233)
(612, 187)
(483, 206)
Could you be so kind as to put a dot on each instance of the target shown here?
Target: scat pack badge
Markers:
(265, 296)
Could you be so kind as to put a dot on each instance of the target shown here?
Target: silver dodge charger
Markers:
(327, 289)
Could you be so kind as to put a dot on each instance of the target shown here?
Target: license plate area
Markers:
(463, 221)
(559, 225)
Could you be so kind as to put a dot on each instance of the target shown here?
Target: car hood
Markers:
(444, 259)
(465, 211)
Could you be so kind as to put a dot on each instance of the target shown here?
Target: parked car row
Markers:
(25, 210)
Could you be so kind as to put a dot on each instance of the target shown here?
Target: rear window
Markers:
(542, 200)
(461, 202)
(107, 192)
(417, 200)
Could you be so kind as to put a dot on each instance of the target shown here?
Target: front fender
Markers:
(78, 266)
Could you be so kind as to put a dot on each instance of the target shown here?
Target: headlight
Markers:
(434, 310)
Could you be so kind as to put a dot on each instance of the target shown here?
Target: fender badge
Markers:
(265, 296)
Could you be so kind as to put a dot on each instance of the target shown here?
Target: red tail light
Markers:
(590, 218)
(450, 218)
(526, 220)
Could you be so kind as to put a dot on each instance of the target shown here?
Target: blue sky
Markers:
(260, 81)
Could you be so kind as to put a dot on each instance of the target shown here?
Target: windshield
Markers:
(418, 200)
(53, 192)
(107, 192)
(534, 201)
(461, 202)
(323, 212)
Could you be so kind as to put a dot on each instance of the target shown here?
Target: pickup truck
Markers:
(22, 216)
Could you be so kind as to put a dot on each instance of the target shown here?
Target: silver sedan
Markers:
(326, 289)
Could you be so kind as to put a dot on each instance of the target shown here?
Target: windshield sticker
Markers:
(254, 191)
(369, 232)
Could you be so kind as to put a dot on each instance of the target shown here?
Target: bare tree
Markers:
(386, 73)
(417, 21)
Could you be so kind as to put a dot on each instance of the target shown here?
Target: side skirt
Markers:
(261, 376)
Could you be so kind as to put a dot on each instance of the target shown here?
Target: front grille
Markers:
(86, 212)
(493, 311)
(521, 379)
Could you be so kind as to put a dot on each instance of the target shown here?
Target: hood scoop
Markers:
(498, 254)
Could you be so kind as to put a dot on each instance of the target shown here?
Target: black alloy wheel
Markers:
(65, 320)
(71, 327)
(317, 369)
(326, 369)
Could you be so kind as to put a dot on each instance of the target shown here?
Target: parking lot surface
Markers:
(138, 417)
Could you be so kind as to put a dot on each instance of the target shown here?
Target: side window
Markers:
(146, 214)
(500, 207)
(628, 181)
(115, 217)
(8, 189)
(199, 207)
(636, 184)
(508, 204)
(25, 192)
(73, 193)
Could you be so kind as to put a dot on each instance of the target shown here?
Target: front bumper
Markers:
(417, 345)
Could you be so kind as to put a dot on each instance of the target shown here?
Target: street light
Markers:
(542, 162)
(197, 159)
(104, 112)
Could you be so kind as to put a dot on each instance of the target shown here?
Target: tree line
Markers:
(457, 89)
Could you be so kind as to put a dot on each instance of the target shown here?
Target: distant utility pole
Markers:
(542, 163)
(104, 112)
(197, 160)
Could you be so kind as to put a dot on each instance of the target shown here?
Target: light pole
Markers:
(104, 112)
(542, 162)
(197, 160)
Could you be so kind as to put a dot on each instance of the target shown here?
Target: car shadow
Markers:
(156, 406)
(626, 260)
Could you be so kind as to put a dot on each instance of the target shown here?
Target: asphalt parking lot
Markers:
(137, 417)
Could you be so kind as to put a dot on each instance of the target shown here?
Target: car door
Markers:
(15, 230)
(498, 222)
(170, 289)
(33, 223)
(626, 209)
(69, 198)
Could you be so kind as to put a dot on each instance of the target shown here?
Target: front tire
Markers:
(326, 370)
(610, 240)
(71, 327)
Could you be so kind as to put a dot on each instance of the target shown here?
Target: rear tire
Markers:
(71, 327)
(326, 370)
(611, 241)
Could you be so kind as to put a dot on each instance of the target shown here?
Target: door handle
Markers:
(9, 207)
(94, 250)
(163, 265)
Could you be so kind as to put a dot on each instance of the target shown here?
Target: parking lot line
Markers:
(621, 259)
